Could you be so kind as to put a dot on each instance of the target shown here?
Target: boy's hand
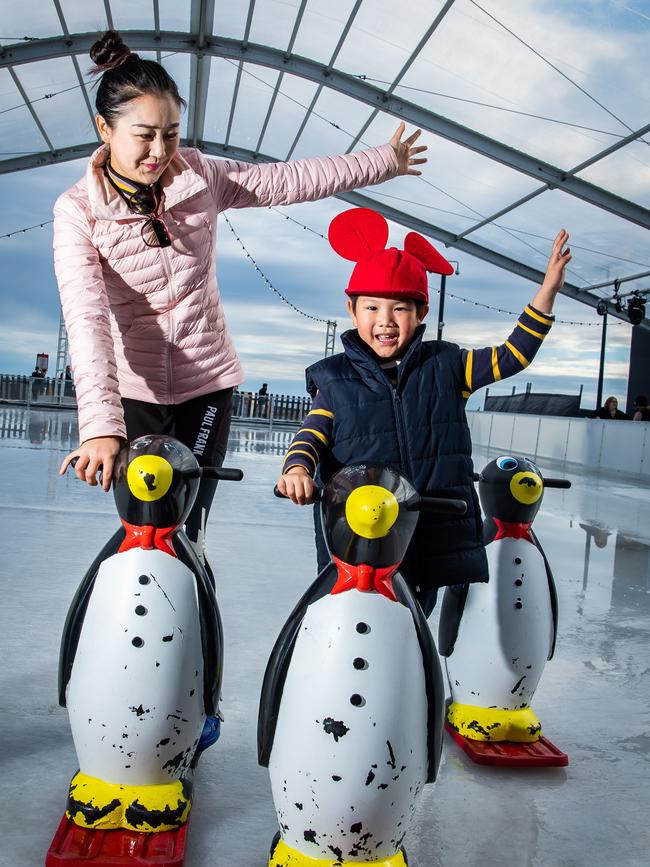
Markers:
(297, 485)
(405, 152)
(554, 277)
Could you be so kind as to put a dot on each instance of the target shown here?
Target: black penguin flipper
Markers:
(77, 612)
(552, 593)
(278, 664)
(451, 613)
(432, 675)
(211, 625)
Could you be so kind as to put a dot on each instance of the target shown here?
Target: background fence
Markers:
(615, 448)
(50, 392)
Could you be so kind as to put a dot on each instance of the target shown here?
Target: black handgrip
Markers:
(557, 483)
(100, 479)
(443, 506)
(476, 477)
(224, 474)
(316, 493)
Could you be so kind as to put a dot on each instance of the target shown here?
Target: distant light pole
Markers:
(441, 302)
(330, 337)
(601, 366)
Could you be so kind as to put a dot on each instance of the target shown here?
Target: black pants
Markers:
(202, 424)
(426, 595)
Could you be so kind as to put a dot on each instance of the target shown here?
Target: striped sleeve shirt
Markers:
(480, 367)
(485, 366)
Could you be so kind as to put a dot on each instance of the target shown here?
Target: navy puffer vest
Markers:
(418, 427)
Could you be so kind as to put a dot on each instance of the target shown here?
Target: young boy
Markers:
(392, 398)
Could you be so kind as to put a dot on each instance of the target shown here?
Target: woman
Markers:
(609, 410)
(134, 246)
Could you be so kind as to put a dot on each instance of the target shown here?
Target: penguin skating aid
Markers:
(497, 637)
(140, 669)
(351, 713)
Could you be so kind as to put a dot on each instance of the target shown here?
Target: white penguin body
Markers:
(506, 632)
(135, 694)
(349, 755)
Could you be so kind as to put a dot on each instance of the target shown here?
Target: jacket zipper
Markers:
(171, 336)
(405, 458)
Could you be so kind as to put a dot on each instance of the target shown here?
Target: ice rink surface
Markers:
(593, 700)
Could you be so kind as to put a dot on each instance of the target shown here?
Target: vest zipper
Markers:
(171, 336)
(405, 457)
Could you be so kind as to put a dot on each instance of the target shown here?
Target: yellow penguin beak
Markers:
(526, 487)
(149, 477)
(371, 511)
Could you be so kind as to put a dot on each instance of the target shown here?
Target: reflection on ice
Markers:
(593, 698)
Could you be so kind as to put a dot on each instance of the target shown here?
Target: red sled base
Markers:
(73, 845)
(539, 754)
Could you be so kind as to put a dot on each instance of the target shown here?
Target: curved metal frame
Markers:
(202, 44)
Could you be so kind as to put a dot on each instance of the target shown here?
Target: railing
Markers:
(266, 409)
(270, 408)
(615, 448)
(29, 390)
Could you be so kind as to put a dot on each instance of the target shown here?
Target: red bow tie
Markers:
(508, 530)
(365, 578)
(148, 537)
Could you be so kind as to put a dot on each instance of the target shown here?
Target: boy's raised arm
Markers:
(483, 367)
(554, 277)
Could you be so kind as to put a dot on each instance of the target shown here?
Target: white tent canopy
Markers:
(537, 110)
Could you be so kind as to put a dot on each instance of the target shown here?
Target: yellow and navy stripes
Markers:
(312, 439)
(480, 367)
(485, 366)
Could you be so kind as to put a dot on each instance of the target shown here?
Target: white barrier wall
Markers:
(612, 447)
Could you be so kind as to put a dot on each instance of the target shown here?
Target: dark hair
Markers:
(640, 400)
(126, 76)
(419, 305)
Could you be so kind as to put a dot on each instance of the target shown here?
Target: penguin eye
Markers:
(507, 463)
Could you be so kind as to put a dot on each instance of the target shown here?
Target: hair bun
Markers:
(109, 52)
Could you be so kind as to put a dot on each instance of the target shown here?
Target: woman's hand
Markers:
(405, 152)
(297, 485)
(93, 455)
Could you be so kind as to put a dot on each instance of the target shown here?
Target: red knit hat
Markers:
(360, 234)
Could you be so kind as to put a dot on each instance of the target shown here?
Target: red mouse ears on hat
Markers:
(358, 233)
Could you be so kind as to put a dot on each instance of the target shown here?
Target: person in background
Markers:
(37, 386)
(262, 399)
(641, 408)
(609, 410)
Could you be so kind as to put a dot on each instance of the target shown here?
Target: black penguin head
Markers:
(511, 489)
(155, 481)
(363, 515)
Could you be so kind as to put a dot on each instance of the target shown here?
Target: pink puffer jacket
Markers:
(147, 323)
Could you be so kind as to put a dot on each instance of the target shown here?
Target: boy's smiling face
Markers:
(386, 325)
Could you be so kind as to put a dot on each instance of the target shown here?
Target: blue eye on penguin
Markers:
(352, 706)
(497, 637)
(141, 655)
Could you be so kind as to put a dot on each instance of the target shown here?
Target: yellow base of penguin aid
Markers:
(284, 856)
(94, 803)
(494, 724)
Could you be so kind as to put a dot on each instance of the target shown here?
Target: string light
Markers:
(266, 279)
(320, 235)
(27, 229)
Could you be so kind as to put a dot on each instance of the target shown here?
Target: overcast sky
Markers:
(601, 46)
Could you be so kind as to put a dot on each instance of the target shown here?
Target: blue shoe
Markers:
(210, 733)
